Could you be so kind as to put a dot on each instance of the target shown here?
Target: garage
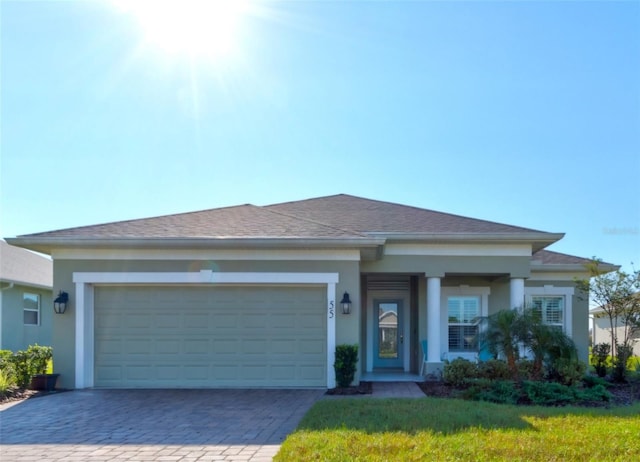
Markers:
(192, 336)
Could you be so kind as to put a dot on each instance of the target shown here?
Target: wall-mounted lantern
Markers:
(346, 303)
(61, 302)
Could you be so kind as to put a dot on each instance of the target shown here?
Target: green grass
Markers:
(451, 429)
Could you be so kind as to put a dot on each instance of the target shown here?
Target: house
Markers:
(249, 296)
(26, 306)
(602, 329)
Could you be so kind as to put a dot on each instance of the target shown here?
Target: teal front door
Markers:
(388, 336)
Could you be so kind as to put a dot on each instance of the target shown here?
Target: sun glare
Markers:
(195, 27)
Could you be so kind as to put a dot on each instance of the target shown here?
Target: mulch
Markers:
(365, 388)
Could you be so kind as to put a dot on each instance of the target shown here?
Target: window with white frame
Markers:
(31, 309)
(554, 303)
(463, 314)
(550, 309)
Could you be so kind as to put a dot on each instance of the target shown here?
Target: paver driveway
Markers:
(152, 425)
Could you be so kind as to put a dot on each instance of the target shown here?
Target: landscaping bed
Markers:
(622, 394)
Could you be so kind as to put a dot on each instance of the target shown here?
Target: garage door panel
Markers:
(210, 337)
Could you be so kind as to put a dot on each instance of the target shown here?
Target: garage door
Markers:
(169, 337)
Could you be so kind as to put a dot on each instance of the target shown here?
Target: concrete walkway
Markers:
(396, 390)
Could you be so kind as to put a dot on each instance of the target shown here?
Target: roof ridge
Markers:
(326, 225)
(411, 207)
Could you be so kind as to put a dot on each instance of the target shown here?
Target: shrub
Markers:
(624, 354)
(589, 381)
(494, 369)
(548, 393)
(599, 357)
(21, 368)
(500, 391)
(345, 365)
(567, 371)
(7, 381)
(38, 358)
(526, 369)
(597, 393)
(459, 371)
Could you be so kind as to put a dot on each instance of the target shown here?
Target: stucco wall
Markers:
(347, 326)
(15, 334)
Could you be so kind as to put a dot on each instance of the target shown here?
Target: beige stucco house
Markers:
(249, 296)
(26, 306)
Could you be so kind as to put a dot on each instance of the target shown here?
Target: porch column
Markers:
(517, 293)
(433, 320)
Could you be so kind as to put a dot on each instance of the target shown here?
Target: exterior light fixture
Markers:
(60, 303)
(346, 303)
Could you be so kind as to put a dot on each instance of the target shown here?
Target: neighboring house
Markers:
(26, 306)
(248, 296)
(602, 329)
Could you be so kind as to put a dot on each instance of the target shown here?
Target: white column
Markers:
(331, 334)
(517, 293)
(433, 320)
(80, 337)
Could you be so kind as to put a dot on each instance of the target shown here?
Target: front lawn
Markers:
(451, 429)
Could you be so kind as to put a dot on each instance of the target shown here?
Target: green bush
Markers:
(23, 364)
(38, 358)
(624, 354)
(459, 371)
(548, 393)
(600, 357)
(494, 369)
(526, 369)
(500, 391)
(568, 371)
(590, 381)
(345, 365)
(597, 393)
(7, 381)
(21, 367)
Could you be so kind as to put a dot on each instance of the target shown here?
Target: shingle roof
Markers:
(548, 257)
(24, 267)
(244, 221)
(372, 216)
(340, 216)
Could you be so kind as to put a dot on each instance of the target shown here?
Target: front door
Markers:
(388, 338)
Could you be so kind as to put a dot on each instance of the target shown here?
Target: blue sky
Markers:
(526, 113)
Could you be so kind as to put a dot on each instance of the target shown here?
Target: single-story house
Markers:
(250, 296)
(602, 329)
(26, 305)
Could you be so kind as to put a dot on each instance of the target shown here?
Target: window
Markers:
(31, 308)
(554, 303)
(464, 314)
(551, 310)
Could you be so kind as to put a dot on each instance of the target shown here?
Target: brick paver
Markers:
(152, 425)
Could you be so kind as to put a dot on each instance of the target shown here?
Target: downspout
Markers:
(10, 286)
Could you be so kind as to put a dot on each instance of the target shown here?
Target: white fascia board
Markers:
(459, 249)
(209, 254)
(205, 277)
(525, 236)
(48, 245)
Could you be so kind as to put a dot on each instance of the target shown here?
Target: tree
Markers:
(617, 293)
(507, 331)
(502, 333)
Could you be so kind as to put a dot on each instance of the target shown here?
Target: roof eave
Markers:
(47, 245)
(538, 240)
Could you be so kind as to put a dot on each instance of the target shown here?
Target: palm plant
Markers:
(501, 334)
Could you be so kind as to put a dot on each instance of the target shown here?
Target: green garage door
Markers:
(192, 337)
